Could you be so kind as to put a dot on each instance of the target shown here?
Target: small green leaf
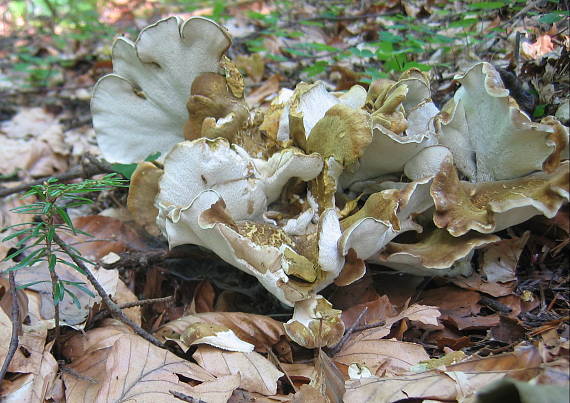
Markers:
(467, 22)
(52, 260)
(85, 290)
(59, 293)
(17, 233)
(553, 17)
(65, 217)
(74, 298)
(23, 286)
(72, 265)
(486, 5)
(316, 68)
(153, 156)
(390, 37)
(539, 111)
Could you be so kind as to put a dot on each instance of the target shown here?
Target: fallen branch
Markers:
(111, 306)
(105, 313)
(16, 326)
(331, 352)
(89, 167)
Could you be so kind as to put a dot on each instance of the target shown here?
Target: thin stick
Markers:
(103, 314)
(185, 398)
(90, 166)
(334, 350)
(369, 326)
(111, 306)
(16, 325)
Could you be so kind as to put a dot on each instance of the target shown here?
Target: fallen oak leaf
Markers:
(457, 382)
(382, 356)
(259, 330)
(257, 373)
(132, 368)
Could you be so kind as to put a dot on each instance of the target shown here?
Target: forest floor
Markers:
(450, 336)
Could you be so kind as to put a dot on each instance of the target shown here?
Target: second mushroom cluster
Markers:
(303, 193)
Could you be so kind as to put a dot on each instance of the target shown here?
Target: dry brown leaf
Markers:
(540, 47)
(29, 356)
(70, 314)
(261, 331)
(99, 338)
(108, 235)
(416, 313)
(359, 292)
(241, 396)
(475, 322)
(34, 158)
(499, 260)
(455, 383)
(382, 356)
(388, 356)
(257, 373)
(123, 296)
(132, 368)
(308, 393)
(328, 379)
(378, 309)
(269, 87)
(8, 217)
(35, 386)
(33, 143)
(204, 298)
(459, 308)
(299, 371)
(476, 283)
(6, 299)
(452, 301)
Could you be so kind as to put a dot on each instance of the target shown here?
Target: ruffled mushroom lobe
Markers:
(488, 134)
(315, 323)
(434, 254)
(493, 206)
(143, 190)
(140, 108)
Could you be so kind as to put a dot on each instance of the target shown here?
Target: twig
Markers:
(369, 326)
(495, 305)
(104, 313)
(111, 306)
(75, 374)
(90, 166)
(16, 325)
(138, 260)
(331, 352)
(345, 17)
(185, 398)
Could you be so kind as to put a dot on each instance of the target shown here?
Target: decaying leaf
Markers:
(315, 323)
(456, 382)
(261, 331)
(132, 368)
(256, 372)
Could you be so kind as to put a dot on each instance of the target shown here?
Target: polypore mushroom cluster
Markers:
(302, 194)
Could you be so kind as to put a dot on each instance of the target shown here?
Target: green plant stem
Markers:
(54, 280)
(111, 306)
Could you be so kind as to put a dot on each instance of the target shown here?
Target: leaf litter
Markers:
(508, 319)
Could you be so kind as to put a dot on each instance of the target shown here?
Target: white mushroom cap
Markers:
(140, 108)
(247, 185)
(488, 134)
